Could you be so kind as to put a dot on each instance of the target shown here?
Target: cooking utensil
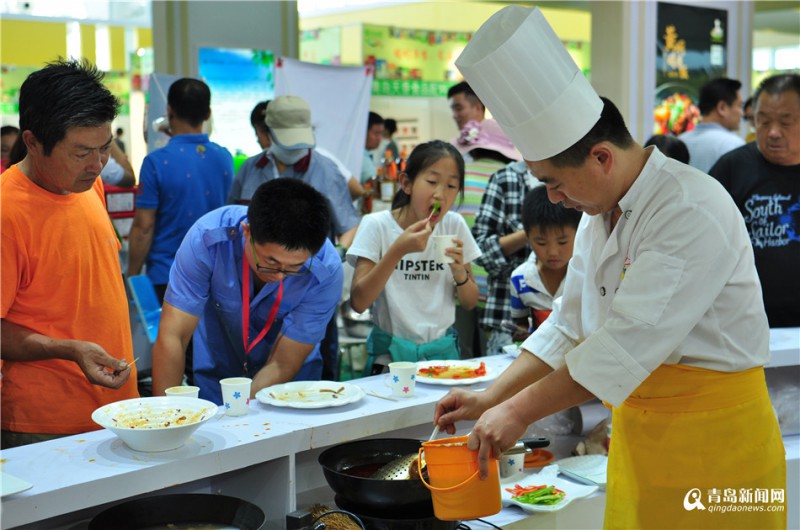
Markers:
(525, 444)
(198, 509)
(405, 467)
(408, 496)
(435, 433)
(397, 469)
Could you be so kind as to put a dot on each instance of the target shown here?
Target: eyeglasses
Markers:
(271, 270)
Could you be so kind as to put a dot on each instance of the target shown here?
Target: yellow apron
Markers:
(689, 437)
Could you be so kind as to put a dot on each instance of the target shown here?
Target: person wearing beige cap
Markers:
(292, 152)
(661, 316)
(292, 155)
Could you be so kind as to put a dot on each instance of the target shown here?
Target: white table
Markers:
(268, 457)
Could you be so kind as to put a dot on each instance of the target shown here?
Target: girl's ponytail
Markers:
(400, 199)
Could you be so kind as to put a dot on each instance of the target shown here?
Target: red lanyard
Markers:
(246, 311)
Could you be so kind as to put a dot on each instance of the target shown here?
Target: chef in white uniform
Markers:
(661, 317)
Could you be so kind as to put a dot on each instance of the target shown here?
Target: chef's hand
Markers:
(414, 238)
(458, 404)
(98, 366)
(497, 430)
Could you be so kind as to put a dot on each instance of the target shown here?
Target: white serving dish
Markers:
(547, 476)
(491, 373)
(310, 394)
(153, 424)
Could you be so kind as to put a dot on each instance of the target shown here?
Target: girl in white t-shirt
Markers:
(413, 297)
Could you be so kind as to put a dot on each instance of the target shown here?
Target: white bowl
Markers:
(153, 424)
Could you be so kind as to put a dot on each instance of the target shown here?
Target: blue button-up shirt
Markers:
(206, 281)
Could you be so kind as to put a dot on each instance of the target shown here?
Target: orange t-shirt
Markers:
(61, 277)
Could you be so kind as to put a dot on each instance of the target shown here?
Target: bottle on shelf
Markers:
(389, 180)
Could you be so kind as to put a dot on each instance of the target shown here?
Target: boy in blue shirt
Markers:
(550, 229)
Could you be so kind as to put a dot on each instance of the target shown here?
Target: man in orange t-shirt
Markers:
(66, 339)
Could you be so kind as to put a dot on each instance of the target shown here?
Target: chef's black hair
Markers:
(289, 213)
(609, 128)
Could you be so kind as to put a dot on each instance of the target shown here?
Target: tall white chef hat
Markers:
(520, 70)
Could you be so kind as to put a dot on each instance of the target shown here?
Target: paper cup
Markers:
(440, 243)
(512, 467)
(183, 390)
(236, 395)
(402, 378)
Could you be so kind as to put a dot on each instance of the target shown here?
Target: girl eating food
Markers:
(413, 293)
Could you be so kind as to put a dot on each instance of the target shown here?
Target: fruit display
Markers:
(675, 114)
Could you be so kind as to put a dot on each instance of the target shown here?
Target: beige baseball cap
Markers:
(520, 70)
(289, 121)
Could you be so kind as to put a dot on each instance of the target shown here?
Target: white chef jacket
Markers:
(675, 282)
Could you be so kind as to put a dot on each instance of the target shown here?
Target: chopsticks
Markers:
(373, 394)
(116, 372)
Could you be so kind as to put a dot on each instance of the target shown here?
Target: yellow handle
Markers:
(434, 488)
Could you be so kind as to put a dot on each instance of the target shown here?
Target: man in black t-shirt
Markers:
(764, 179)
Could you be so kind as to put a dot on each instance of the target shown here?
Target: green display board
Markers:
(10, 81)
(321, 46)
(412, 54)
(118, 83)
(408, 62)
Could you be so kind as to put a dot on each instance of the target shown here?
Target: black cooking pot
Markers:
(409, 496)
(180, 508)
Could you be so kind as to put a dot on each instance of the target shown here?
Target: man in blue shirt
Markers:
(720, 105)
(178, 183)
(269, 261)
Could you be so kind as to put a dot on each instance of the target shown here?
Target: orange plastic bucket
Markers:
(457, 491)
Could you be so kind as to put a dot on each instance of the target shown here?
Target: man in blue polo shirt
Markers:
(178, 183)
(269, 264)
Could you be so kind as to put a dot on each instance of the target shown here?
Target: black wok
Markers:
(390, 495)
(198, 508)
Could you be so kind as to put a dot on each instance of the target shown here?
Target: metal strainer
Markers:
(402, 468)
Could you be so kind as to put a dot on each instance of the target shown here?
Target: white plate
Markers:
(310, 394)
(547, 476)
(490, 373)
(11, 484)
(589, 469)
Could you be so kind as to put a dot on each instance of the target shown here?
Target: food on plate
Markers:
(148, 419)
(311, 394)
(543, 494)
(451, 371)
